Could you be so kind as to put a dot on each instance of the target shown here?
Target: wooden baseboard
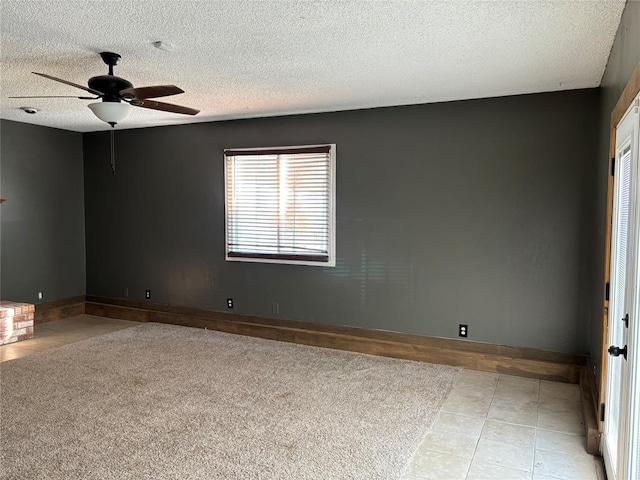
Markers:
(524, 362)
(589, 411)
(59, 309)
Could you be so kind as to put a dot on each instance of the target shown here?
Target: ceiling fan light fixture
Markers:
(110, 112)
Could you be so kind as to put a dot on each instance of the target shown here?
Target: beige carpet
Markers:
(165, 402)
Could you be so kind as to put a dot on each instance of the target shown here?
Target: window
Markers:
(280, 205)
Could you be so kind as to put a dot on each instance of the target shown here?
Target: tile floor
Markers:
(490, 427)
(508, 428)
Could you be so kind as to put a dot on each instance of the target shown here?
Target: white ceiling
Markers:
(240, 59)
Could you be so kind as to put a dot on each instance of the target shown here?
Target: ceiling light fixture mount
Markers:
(30, 110)
(167, 47)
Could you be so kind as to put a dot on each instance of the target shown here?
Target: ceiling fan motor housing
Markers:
(110, 85)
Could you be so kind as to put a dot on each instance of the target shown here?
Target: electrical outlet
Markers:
(275, 308)
(40, 295)
(147, 294)
(463, 330)
(229, 302)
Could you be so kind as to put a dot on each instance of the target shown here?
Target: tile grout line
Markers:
(535, 436)
(484, 423)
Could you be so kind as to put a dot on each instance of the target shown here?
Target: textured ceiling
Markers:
(239, 59)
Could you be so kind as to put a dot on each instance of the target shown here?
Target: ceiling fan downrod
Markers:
(110, 59)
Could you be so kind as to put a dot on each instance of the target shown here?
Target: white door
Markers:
(621, 397)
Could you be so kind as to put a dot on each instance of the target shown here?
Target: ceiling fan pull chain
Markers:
(113, 153)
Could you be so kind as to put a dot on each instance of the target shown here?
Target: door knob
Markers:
(617, 351)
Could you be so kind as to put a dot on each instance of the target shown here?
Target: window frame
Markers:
(284, 258)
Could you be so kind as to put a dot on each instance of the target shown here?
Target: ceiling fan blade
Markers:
(151, 92)
(58, 96)
(90, 90)
(165, 107)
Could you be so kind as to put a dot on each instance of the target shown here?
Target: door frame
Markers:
(614, 450)
(629, 94)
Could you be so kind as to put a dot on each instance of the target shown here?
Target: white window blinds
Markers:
(280, 204)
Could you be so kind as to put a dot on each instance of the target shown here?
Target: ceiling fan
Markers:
(118, 94)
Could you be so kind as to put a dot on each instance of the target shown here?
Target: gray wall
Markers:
(465, 212)
(42, 221)
(623, 59)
